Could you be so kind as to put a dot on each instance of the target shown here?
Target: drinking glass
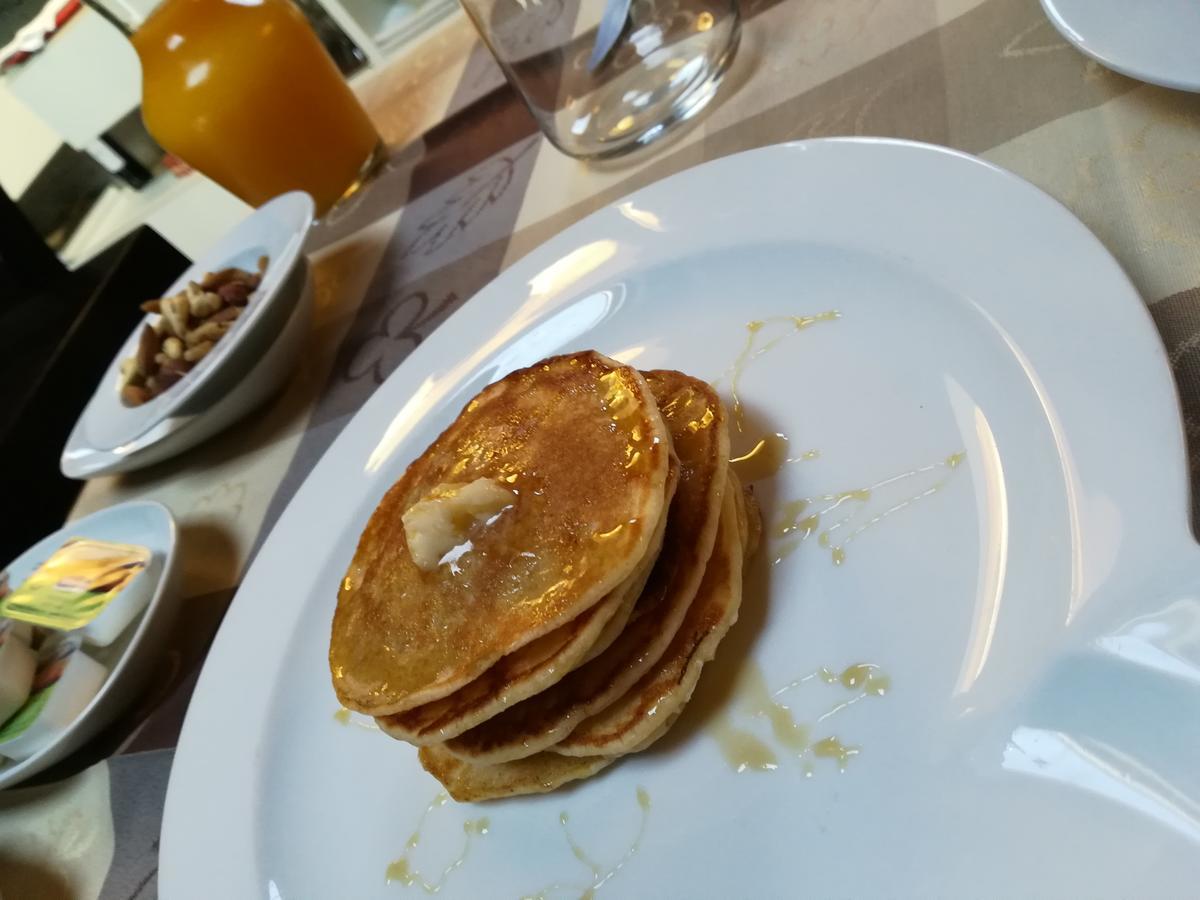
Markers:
(243, 91)
(605, 76)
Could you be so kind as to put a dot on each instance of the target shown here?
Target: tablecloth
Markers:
(472, 186)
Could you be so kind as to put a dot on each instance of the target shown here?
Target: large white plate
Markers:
(1151, 40)
(1037, 614)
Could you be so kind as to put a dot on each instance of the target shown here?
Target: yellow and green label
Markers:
(75, 584)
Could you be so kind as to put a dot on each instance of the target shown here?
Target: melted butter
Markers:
(402, 870)
(703, 422)
(754, 698)
(833, 748)
(752, 349)
(741, 749)
(864, 676)
(643, 798)
(763, 460)
(600, 876)
(796, 520)
(793, 521)
(618, 399)
(345, 717)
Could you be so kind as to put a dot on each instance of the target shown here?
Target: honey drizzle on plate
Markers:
(344, 716)
(401, 868)
(752, 351)
(600, 875)
(743, 750)
(799, 521)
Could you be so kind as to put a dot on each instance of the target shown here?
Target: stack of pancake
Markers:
(536, 596)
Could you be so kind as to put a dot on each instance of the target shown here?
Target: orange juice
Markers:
(243, 91)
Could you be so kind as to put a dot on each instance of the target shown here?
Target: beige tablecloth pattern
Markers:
(473, 187)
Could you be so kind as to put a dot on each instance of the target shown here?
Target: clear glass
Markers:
(243, 91)
(664, 65)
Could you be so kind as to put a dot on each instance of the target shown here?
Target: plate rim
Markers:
(175, 877)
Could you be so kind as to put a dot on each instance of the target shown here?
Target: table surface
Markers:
(472, 186)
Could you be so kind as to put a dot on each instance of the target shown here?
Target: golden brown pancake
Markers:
(534, 667)
(637, 719)
(579, 442)
(469, 782)
(696, 420)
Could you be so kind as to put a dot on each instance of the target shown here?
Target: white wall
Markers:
(26, 143)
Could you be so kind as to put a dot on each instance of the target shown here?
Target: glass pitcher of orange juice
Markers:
(243, 91)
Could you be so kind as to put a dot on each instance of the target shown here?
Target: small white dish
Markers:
(129, 658)
(996, 409)
(242, 370)
(1157, 41)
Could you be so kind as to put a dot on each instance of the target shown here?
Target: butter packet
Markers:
(76, 584)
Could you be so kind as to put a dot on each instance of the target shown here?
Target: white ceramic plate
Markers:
(261, 346)
(1037, 613)
(1151, 40)
(130, 656)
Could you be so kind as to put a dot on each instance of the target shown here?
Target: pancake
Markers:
(752, 514)
(636, 719)
(579, 444)
(534, 667)
(696, 419)
(469, 782)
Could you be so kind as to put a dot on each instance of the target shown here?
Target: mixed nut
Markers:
(189, 324)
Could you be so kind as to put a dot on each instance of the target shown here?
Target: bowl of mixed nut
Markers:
(220, 341)
(188, 326)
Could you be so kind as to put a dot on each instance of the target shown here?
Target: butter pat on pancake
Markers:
(470, 782)
(637, 719)
(534, 667)
(697, 424)
(579, 443)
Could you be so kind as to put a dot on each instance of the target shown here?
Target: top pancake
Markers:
(581, 445)
(534, 667)
(696, 418)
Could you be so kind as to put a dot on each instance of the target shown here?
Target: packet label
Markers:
(75, 584)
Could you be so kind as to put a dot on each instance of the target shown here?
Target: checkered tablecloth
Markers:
(473, 186)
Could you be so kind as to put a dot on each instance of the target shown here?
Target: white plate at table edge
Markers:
(513, 322)
(1101, 29)
(128, 658)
